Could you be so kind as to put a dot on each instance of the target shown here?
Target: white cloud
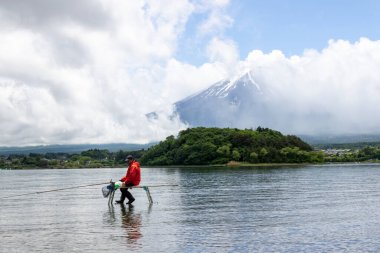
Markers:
(335, 91)
(223, 51)
(217, 19)
(189, 79)
(216, 23)
(90, 71)
(217, 3)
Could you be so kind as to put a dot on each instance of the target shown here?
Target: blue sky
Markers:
(287, 25)
(89, 71)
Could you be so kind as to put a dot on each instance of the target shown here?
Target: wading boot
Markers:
(129, 197)
(122, 198)
(131, 201)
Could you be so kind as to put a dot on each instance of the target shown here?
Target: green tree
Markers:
(253, 157)
(235, 155)
(224, 150)
(263, 155)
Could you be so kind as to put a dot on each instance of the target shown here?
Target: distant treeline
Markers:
(93, 158)
(353, 146)
(203, 146)
(71, 148)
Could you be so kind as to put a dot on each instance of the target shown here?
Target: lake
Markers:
(326, 208)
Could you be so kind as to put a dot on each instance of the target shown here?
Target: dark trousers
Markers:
(126, 194)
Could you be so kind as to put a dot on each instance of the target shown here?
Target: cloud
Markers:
(334, 91)
(89, 71)
(42, 15)
(217, 19)
(216, 23)
(224, 51)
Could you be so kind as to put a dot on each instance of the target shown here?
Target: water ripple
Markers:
(303, 209)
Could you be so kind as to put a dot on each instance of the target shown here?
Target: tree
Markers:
(235, 155)
(263, 154)
(224, 150)
(253, 157)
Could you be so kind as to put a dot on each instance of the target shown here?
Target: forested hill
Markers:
(202, 146)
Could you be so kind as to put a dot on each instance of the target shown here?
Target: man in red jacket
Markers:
(132, 178)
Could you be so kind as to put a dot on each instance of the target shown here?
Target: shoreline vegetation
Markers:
(236, 165)
(215, 147)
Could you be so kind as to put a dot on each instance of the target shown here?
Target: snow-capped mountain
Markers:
(269, 97)
(239, 102)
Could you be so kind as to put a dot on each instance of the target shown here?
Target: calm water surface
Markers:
(288, 209)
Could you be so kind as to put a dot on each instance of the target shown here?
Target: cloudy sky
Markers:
(88, 71)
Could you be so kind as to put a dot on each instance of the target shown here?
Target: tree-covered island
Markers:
(204, 146)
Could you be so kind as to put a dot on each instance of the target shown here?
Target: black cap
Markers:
(129, 157)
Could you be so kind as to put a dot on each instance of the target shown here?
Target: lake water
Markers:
(329, 208)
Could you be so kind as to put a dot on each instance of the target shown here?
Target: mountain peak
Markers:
(223, 88)
(225, 103)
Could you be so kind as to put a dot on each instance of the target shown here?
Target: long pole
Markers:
(54, 190)
(142, 186)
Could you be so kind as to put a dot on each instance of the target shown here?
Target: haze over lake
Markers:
(328, 208)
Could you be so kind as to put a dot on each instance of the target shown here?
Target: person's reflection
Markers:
(131, 222)
(109, 217)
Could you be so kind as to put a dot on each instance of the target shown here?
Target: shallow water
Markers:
(330, 208)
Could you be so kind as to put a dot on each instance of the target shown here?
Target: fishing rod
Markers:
(80, 186)
(141, 186)
(54, 190)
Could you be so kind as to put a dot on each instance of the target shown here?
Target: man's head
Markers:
(129, 159)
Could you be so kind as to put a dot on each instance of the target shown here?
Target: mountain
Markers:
(363, 139)
(70, 149)
(247, 101)
(238, 102)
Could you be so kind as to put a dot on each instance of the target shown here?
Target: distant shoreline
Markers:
(228, 165)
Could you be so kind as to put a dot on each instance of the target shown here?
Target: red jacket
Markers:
(133, 175)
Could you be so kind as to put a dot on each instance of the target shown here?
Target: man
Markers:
(132, 178)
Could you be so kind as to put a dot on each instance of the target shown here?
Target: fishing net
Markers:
(106, 190)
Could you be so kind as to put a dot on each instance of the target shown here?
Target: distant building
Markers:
(336, 151)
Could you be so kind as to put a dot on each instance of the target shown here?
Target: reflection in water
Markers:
(110, 216)
(131, 222)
